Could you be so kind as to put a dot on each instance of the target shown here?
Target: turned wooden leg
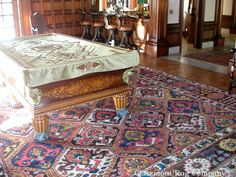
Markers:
(109, 38)
(122, 41)
(40, 124)
(113, 38)
(120, 101)
(96, 36)
(84, 33)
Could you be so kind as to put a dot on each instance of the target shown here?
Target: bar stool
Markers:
(127, 30)
(86, 23)
(98, 27)
(112, 28)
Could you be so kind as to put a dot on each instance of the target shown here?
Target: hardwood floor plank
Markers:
(196, 74)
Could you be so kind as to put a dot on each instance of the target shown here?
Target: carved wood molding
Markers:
(85, 86)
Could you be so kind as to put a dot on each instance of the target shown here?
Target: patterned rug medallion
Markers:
(175, 127)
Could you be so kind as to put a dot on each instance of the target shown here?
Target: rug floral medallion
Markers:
(175, 127)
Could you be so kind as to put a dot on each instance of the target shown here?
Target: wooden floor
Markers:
(196, 74)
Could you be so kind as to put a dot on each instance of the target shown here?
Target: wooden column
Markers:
(199, 22)
(219, 40)
(233, 27)
(25, 12)
(234, 13)
(157, 44)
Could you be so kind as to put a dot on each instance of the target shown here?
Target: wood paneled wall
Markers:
(209, 31)
(174, 30)
(233, 27)
(63, 16)
(227, 21)
(174, 36)
(201, 31)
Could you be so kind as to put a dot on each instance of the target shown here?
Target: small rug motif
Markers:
(36, 155)
(140, 140)
(60, 132)
(187, 122)
(104, 116)
(85, 162)
(96, 136)
(77, 114)
(146, 120)
(8, 145)
(183, 106)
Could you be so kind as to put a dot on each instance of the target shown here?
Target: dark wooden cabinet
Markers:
(63, 16)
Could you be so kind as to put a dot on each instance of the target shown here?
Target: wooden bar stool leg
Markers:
(98, 35)
(126, 39)
(84, 36)
(125, 42)
(110, 36)
(86, 32)
(113, 41)
(122, 40)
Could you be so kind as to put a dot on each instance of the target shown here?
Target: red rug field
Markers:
(174, 127)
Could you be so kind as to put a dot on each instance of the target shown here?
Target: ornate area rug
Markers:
(216, 57)
(175, 127)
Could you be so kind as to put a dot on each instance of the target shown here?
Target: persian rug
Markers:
(216, 57)
(175, 127)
